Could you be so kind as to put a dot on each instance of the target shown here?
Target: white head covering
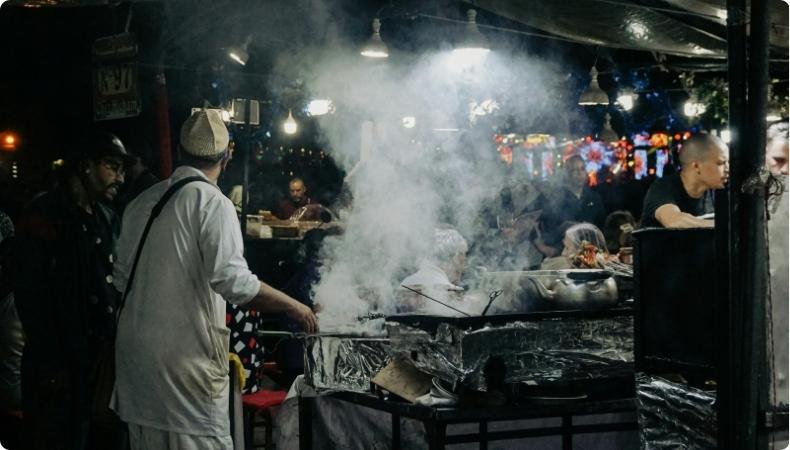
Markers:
(204, 134)
(447, 242)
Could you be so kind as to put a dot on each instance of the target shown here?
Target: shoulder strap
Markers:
(154, 214)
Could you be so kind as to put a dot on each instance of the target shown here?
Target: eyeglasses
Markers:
(114, 166)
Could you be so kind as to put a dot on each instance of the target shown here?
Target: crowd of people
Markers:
(148, 290)
(86, 290)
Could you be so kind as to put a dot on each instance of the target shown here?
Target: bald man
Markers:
(297, 197)
(678, 201)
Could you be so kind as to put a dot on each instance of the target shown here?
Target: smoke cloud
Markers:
(403, 181)
(406, 181)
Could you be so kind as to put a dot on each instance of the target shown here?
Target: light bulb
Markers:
(290, 126)
(692, 108)
(626, 100)
(320, 107)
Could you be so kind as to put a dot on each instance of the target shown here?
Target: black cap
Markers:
(101, 144)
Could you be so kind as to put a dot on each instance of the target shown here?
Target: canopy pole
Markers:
(246, 153)
(740, 235)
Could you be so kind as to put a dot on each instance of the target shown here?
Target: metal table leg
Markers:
(395, 431)
(483, 435)
(306, 423)
(567, 433)
(435, 434)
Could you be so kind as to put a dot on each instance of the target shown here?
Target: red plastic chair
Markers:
(260, 403)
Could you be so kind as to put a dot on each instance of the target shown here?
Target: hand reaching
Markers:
(304, 315)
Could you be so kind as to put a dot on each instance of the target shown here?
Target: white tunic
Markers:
(172, 344)
(432, 281)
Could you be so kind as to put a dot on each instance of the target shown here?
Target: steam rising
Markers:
(406, 181)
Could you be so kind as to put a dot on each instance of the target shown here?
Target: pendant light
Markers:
(607, 134)
(593, 95)
(290, 126)
(473, 40)
(375, 47)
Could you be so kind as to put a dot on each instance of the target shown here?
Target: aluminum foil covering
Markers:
(344, 363)
(539, 351)
(673, 415)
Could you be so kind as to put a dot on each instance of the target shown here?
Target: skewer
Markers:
(437, 301)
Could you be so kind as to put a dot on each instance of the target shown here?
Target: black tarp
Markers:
(693, 29)
(689, 28)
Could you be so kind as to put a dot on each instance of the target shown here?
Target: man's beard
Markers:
(111, 192)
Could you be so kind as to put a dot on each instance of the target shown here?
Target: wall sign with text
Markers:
(116, 91)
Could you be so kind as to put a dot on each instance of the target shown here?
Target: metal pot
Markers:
(542, 290)
(575, 290)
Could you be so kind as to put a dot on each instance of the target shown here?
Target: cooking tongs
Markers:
(491, 297)
(437, 301)
(303, 335)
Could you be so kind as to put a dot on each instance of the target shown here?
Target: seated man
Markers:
(297, 198)
(573, 200)
(507, 228)
(678, 201)
(437, 276)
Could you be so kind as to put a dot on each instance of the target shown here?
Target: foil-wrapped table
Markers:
(515, 348)
(674, 415)
(344, 362)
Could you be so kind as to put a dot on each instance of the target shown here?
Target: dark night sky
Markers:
(46, 74)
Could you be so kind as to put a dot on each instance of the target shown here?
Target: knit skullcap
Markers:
(204, 134)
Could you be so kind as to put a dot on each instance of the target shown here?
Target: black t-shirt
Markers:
(564, 206)
(669, 190)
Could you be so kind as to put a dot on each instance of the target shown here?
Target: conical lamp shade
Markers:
(473, 39)
(607, 134)
(375, 47)
(593, 95)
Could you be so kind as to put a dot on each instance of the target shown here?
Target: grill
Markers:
(546, 347)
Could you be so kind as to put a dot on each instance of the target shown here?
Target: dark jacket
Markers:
(63, 288)
(564, 206)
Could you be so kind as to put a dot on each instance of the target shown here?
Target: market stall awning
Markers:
(692, 33)
(683, 28)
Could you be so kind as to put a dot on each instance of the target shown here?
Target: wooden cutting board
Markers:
(403, 379)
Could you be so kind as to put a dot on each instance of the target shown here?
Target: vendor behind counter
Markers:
(297, 198)
(681, 200)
